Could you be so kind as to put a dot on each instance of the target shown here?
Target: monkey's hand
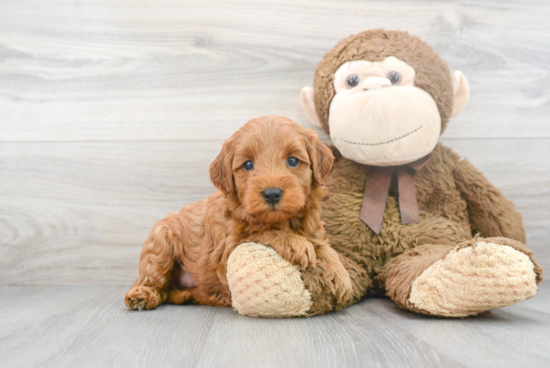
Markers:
(294, 248)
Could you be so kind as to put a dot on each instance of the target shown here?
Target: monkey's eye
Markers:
(248, 165)
(352, 81)
(394, 77)
(292, 161)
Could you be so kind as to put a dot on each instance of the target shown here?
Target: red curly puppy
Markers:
(270, 175)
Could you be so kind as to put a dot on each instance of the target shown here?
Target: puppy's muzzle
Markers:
(272, 195)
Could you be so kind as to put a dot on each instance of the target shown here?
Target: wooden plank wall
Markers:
(111, 111)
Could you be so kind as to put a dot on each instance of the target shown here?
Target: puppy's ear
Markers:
(320, 155)
(221, 170)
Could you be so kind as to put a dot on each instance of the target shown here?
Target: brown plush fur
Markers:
(320, 286)
(402, 270)
(198, 240)
(446, 221)
(455, 200)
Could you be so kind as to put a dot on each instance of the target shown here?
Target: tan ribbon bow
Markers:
(378, 187)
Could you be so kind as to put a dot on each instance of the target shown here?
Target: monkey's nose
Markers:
(272, 195)
(375, 83)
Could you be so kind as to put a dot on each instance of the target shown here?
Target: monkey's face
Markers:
(386, 112)
(378, 117)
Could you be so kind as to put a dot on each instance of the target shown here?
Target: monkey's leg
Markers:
(156, 262)
(464, 280)
(262, 283)
(324, 295)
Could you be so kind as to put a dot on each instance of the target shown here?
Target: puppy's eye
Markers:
(292, 162)
(248, 165)
(352, 81)
(394, 77)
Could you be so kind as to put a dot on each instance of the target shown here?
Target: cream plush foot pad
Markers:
(264, 284)
(474, 279)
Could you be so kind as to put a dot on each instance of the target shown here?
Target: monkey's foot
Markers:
(263, 284)
(477, 276)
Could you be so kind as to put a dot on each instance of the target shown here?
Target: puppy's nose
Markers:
(272, 195)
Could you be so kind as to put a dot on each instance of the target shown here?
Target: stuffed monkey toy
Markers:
(409, 218)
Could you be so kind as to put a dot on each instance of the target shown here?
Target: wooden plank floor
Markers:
(89, 326)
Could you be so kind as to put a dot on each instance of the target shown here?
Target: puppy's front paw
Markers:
(142, 297)
(297, 250)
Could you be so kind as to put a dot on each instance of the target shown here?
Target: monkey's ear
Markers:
(306, 99)
(320, 155)
(221, 170)
(461, 92)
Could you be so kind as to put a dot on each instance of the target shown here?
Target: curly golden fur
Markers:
(193, 245)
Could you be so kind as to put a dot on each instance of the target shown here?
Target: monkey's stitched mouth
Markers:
(380, 143)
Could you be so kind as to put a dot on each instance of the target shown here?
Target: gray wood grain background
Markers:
(111, 111)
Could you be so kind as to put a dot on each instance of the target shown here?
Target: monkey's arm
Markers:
(491, 214)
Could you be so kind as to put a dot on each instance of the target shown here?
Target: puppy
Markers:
(270, 176)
